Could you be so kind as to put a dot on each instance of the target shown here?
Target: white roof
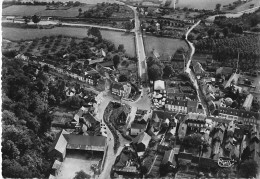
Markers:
(159, 85)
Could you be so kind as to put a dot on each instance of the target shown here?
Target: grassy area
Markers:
(181, 15)
(202, 4)
(71, 12)
(16, 34)
(163, 45)
(22, 10)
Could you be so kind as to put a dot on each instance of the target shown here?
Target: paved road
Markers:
(139, 47)
(191, 74)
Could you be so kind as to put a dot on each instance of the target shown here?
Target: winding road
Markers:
(190, 72)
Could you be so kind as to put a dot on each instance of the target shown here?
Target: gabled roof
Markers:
(238, 112)
(118, 86)
(96, 141)
(138, 126)
(176, 102)
(159, 85)
(169, 157)
(60, 142)
(185, 156)
(192, 103)
(142, 138)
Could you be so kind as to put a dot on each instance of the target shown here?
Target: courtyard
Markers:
(76, 161)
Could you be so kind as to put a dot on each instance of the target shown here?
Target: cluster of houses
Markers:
(215, 87)
(227, 140)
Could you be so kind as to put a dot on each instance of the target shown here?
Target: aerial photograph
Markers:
(108, 89)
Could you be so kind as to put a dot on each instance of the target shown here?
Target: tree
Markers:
(121, 48)
(36, 19)
(122, 78)
(218, 6)
(128, 26)
(116, 60)
(95, 32)
(81, 175)
(248, 169)
(73, 58)
(80, 11)
(211, 32)
(167, 71)
(26, 19)
(154, 72)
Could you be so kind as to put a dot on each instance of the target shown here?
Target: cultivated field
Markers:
(16, 34)
(163, 45)
(22, 10)
(202, 4)
(71, 12)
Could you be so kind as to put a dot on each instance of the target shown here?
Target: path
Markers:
(191, 74)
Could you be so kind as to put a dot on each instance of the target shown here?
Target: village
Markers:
(190, 112)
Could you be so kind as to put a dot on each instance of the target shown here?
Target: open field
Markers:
(22, 10)
(202, 4)
(246, 6)
(15, 34)
(76, 161)
(71, 12)
(163, 45)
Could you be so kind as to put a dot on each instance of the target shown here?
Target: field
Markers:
(202, 4)
(15, 34)
(163, 45)
(72, 12)
(22, 10)
(182, 15)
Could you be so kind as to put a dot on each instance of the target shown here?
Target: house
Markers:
(155, 125)
(218, 138)
(55, 168)
(117, 89)
(176, 105)
(204, 163)
(141, 142)
(226, 71)
(254, 134)
(136, 129)
(231, 129)
(247, 117)
(182, 131)
(184, 158)
(58, 149)
(169, 159)
(192, 106)
(195, 120)
(248, 102)
(92, 77)
(159, 85)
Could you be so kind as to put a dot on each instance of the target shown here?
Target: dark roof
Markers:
(192, 103)
(185, 156)
(169, 157)
(118, 86)
(138, 126)
(239, 112)
(107, 63)
(85, 140)
(204, 162)
(176, 102)
(123, 158)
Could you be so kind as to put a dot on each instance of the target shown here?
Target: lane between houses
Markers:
(191, 74)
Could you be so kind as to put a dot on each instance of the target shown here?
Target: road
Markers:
(139, 47)
(191, 74)
(233, 15)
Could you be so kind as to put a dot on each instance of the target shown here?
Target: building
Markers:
(159, 85)
(169, 159)
(66, 141)
(141, 142)
(248, 102)
(218, 138)
(176, 105)
(247, 117)
(117, 89)
(182, 130)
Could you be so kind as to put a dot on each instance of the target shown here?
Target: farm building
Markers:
(66, 141)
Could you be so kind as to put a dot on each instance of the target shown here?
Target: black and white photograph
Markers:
(107, 89)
